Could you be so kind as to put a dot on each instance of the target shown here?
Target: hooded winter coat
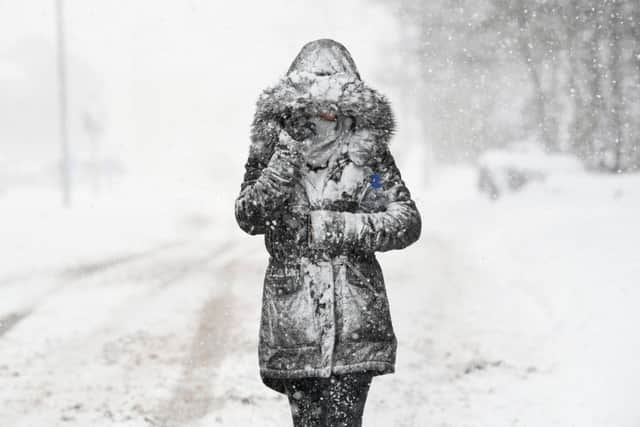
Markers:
(324, 303)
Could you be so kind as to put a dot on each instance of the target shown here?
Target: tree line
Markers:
(564, 72)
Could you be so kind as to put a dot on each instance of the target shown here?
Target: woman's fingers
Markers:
(285, 138)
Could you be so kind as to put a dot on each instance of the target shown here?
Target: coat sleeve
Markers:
(265, 187)
(394, 228)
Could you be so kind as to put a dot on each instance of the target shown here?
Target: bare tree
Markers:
(581, 59)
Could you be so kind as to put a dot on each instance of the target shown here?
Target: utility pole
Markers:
(65, 160)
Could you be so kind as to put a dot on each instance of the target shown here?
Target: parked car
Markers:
(510, 169)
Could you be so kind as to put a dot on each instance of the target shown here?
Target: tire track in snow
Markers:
(72, 275)
(89, 267)
(84, 270)
(90, 270)
(96, 337)
(217, 325)
(10, 320)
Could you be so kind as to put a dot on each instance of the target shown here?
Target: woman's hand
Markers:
(287, 155)
(286, 142)
(266, 190)
(297, 221)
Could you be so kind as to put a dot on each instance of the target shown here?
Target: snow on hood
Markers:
(324, 57)
(322, 77)
(322, 68)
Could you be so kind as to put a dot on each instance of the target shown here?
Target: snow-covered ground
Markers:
(143, 311)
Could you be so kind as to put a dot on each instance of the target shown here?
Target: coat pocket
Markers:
(364, 304)
(288, 308)
(283, 279)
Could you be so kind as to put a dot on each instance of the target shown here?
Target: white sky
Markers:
(174, 81)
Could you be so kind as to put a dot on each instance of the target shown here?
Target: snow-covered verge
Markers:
(515, 312)
(529, 303)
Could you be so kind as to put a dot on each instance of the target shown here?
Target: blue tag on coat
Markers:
(376, 181)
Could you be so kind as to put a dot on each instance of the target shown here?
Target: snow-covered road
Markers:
(131, 338)
(515, 313)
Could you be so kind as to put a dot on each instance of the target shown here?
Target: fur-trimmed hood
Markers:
(322, 77)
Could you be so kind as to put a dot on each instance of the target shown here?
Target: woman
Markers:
(322, 186)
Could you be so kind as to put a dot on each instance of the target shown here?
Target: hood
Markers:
(322, 77)
(324, 57)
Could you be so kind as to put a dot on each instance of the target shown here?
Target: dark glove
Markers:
(286, 161)
(295, 222)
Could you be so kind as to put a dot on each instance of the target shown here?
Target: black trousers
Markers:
(337, 401)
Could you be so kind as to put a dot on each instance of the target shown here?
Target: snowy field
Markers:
(517, 312)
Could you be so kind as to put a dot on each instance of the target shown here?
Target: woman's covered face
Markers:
(323, 142)
(323, 128)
